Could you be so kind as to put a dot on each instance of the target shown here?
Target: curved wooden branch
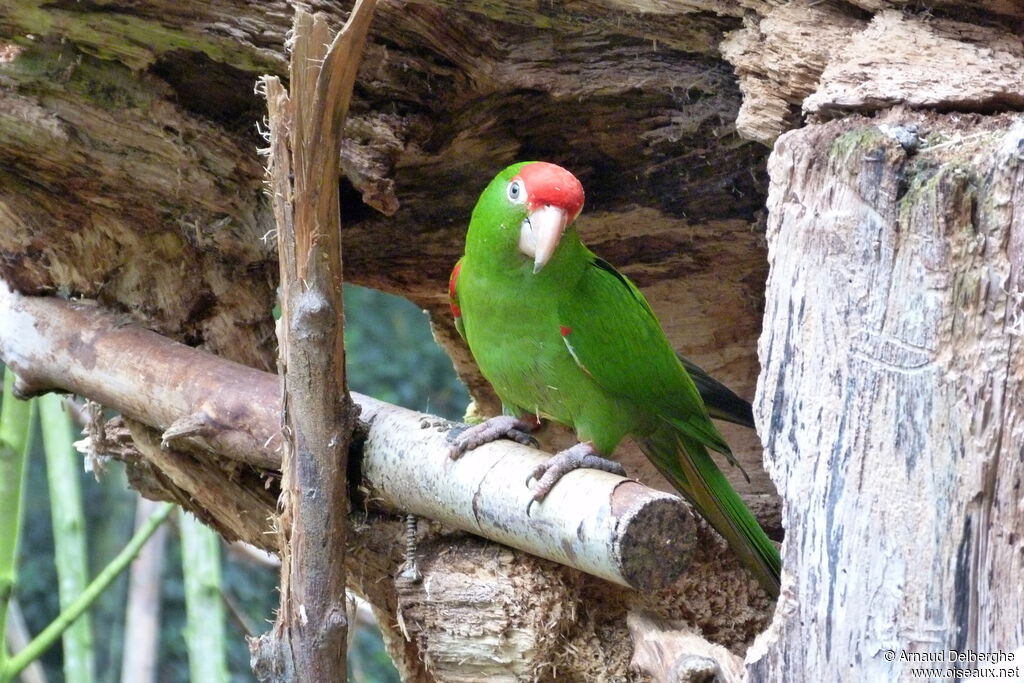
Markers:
(598, 523)
(78, 347)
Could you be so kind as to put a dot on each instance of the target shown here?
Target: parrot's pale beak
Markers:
(540, 233)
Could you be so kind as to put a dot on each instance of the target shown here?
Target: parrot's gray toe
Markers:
(580, 456)
(501, 427)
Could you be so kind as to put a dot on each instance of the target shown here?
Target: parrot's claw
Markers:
(501, 427)
(580, 456)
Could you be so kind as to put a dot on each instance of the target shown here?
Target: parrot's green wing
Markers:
(721, 402)
(611, 331)
(613, 334)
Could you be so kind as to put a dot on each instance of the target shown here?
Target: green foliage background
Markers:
(391, 356)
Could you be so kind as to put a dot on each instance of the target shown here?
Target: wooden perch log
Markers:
(79, 347)
(600, 523)
(596, 522)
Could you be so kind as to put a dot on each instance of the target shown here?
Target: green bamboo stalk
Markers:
(18, 638)
(15, 441)
(64, 473)
(77, 607)
(204, 634)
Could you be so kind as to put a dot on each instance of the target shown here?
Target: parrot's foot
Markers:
(500, 427)
(580, 456)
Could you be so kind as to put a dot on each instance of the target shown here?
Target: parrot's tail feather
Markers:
(721, 401)
(685, 462)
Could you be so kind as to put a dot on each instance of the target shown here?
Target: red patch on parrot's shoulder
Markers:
(453, 300)
(566, 331)
(453, 279)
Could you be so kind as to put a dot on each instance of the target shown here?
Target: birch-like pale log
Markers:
(892, 396)
(596, 522)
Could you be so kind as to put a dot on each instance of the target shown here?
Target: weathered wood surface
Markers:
(892, 393)
(128, 175)
(820, 59)
(127, 135)
(673, 655)
(129, 172)
(600, 523)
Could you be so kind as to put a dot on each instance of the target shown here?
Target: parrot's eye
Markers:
(516, 192)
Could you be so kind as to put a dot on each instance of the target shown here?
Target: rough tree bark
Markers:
(309, 638)
(445, 96)
(892, 352)
(126, 160)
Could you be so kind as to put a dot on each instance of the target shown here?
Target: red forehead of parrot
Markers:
(550, 184)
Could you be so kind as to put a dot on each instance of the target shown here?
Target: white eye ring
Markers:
(516, 192)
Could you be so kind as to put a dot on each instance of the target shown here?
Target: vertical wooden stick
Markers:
(309, 638)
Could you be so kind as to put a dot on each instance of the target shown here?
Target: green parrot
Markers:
(561, 335)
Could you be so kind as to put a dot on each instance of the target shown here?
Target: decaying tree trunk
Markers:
(639, 105)
(892, 394)
(889, 403)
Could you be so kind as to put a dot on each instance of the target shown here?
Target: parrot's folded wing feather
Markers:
(615, 337)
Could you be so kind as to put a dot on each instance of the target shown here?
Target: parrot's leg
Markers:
(582, 455)
(494, 428)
